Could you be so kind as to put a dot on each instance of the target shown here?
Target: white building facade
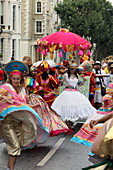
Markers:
(111, 2)
(38, 19)
(22, 23)
(10, 23)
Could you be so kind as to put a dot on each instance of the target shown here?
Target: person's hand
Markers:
(92, 123)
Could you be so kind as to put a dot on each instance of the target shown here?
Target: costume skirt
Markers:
(51, 120)
(87, 135)
(34, 132)
(72, 105)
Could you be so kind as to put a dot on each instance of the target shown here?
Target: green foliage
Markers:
(1, 55)
(89, 18)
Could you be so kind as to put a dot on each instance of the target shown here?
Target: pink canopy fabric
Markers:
(64, 39)
(68, 38)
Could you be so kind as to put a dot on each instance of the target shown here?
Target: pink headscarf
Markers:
(15, 72)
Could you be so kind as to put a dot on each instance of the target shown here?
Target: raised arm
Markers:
(101, 120)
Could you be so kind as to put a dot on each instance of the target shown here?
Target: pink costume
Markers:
(18, 119)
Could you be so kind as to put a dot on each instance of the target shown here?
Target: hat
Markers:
(97, 63)
(65, 62)
(62, 71)
(87, 65)
(44, 66)
(73, 65)
(106, 97)
(33, 68)
(16, 67)
(109, 89)
(58, 66)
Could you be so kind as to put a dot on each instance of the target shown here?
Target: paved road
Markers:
(69, 156)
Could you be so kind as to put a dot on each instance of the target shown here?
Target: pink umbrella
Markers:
(63, 39)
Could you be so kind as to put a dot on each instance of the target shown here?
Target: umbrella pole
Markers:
(42, 57)
(78, 59)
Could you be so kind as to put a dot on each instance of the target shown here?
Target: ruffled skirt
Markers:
(33, 130)
(72, 105)
(51, 120)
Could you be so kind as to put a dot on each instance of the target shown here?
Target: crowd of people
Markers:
(41, 101)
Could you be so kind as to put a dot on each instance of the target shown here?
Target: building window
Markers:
(38, 7)
(19, 19)
(2, 12)
(1, 48)
(14, 17)
(38, 26)
(13, 48)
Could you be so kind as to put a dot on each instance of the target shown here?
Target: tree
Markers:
(89, 18)
(1, 55)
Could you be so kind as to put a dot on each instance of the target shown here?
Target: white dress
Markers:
(71, 104)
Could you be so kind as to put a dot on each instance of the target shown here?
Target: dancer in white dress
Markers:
(71, 104)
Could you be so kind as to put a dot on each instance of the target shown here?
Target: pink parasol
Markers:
(63, 39)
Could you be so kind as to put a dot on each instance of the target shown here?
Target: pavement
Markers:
(68, 155)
